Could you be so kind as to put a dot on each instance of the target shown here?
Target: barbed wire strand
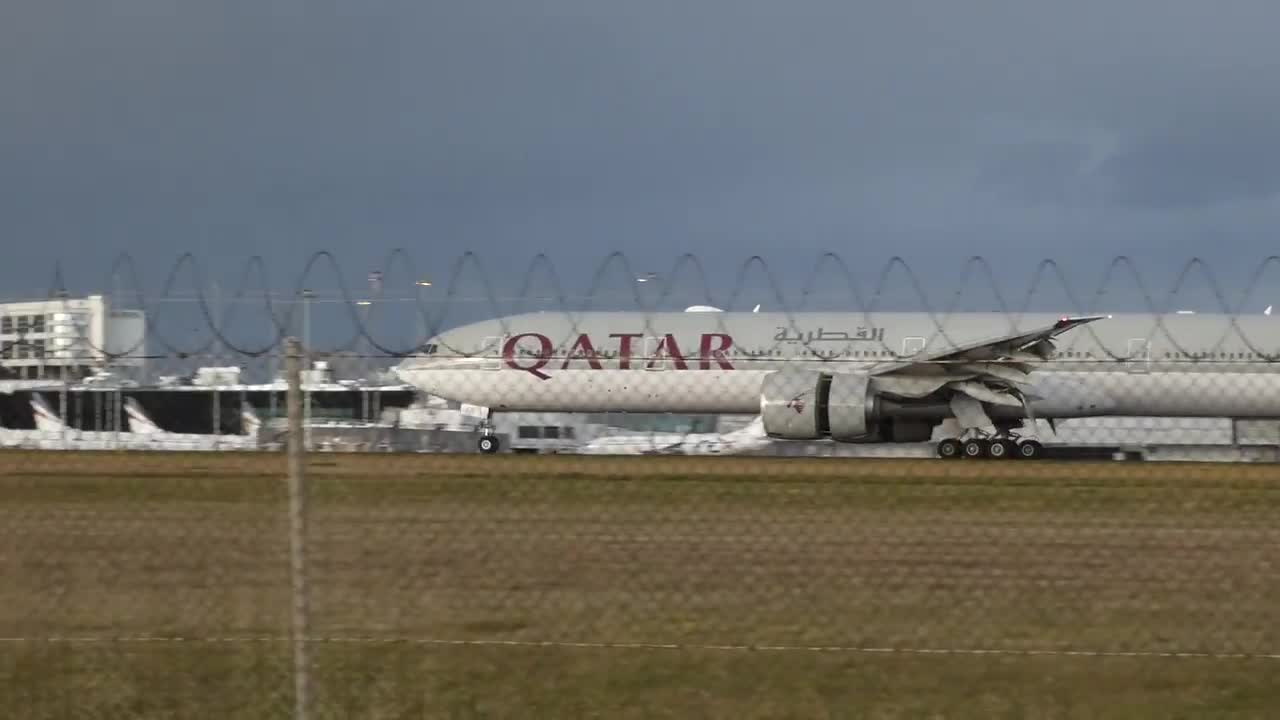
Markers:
(1121, 269)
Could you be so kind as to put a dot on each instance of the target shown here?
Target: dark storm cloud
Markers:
(1036, 173)
(1196, 169)
(931, 130)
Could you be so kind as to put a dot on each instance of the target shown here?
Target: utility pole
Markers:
(306, 348)
(66, 382)
(298, 530)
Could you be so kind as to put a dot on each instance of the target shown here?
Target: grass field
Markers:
(154, 585)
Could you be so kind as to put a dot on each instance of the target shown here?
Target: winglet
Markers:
(1066, 322)
(1081, 319)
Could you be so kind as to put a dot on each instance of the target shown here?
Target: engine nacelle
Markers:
(811, 405)
(853, 410)
(808, 404)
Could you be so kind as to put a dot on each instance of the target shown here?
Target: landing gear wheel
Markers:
(949, 449)
(1030, 450)
(975, 448)
(1001, 449)
(488, 444)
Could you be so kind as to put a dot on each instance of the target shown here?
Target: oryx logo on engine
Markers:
(797, 403)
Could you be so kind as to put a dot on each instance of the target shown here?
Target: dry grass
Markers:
(410, 550)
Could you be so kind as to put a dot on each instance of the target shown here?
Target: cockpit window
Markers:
(429, 349)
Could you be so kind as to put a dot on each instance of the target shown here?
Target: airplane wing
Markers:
(995, 370)
(1011, 350)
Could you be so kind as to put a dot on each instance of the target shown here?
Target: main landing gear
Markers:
(998, 447)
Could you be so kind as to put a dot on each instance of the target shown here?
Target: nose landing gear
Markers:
(488, 442)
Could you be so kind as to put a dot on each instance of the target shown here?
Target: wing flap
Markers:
(981, 392)
(1018, 349)
(1017, 374)
(968, 411)
(911, 386)
(996, 371)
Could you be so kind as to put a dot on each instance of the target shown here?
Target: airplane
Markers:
(749, 437)
(861, 377)
(52, 433)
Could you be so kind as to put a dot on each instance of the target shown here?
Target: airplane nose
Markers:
(419, 376)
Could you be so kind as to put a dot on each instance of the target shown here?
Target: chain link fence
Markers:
(329, 541)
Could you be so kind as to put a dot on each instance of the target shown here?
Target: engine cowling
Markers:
(810, 405)
(807, 404)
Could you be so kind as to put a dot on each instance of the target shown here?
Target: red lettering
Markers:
(668, 346)
(706, 352)
(624, 348)
(712, 347)
(539, 362)
(584, 345)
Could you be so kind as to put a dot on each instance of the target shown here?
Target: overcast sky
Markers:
(1013, 130)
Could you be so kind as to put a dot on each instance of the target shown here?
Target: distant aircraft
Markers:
(749, 437)
(52, 433)
(863, 377)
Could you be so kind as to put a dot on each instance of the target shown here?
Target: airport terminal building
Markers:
(68, 338)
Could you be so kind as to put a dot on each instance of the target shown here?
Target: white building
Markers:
(71, 337)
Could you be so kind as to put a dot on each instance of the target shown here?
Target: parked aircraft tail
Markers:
(46, 419)
(139, 422)
(249, 420)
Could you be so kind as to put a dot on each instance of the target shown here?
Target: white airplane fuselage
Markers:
(1064, 393)
(1179, 365)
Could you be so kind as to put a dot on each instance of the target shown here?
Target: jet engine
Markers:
(811, 405)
